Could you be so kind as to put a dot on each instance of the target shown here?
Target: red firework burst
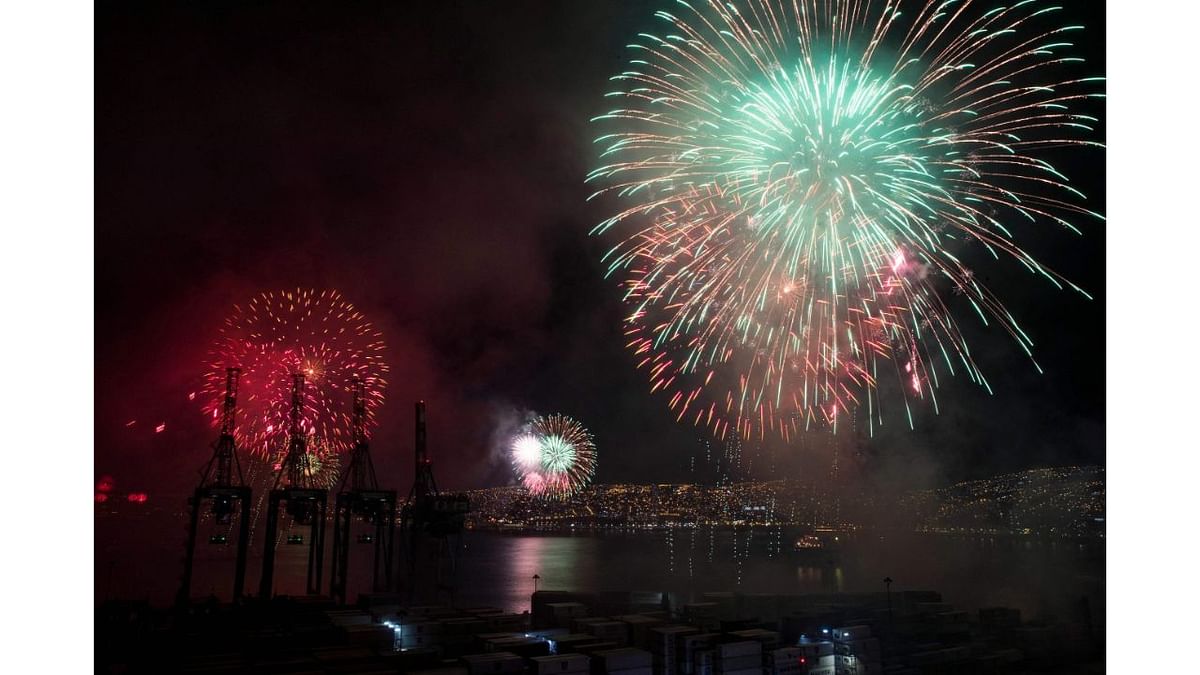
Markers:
(277, 334)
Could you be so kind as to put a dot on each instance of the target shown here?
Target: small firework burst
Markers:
(320, 465)
(554, 457)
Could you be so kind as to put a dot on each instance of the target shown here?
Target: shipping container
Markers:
(769, 639)
(849, 633)
(495, 662)
(741, 648)
(485, 639)
(789, 658)
(567, 609)
(622, 659)
(611, 631)
(736, 663)
(866, 648)
(593, 647)
(561, 664)
(523, 646)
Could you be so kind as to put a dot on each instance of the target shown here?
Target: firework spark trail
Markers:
(317, 334)
(554, 457)
(321, 464)
(799, 179)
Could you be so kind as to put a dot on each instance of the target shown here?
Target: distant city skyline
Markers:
(1057, 502)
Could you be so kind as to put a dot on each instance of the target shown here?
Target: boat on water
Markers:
(818, 548)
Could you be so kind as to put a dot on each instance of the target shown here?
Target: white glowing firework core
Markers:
(528, 451)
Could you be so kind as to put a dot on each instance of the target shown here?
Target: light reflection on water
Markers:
(496, 569)
(1037, 577)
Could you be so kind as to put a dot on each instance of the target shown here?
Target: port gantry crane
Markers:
(306, 503)
(365, 500)
(222, 483)
(429, 519)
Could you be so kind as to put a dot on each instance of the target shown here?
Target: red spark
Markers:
(278, 334)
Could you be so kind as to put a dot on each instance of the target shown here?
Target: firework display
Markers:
(320, 466)
(797, 183)
(554, 456)
(277, 334)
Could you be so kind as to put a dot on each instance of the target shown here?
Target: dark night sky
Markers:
(429, 162)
